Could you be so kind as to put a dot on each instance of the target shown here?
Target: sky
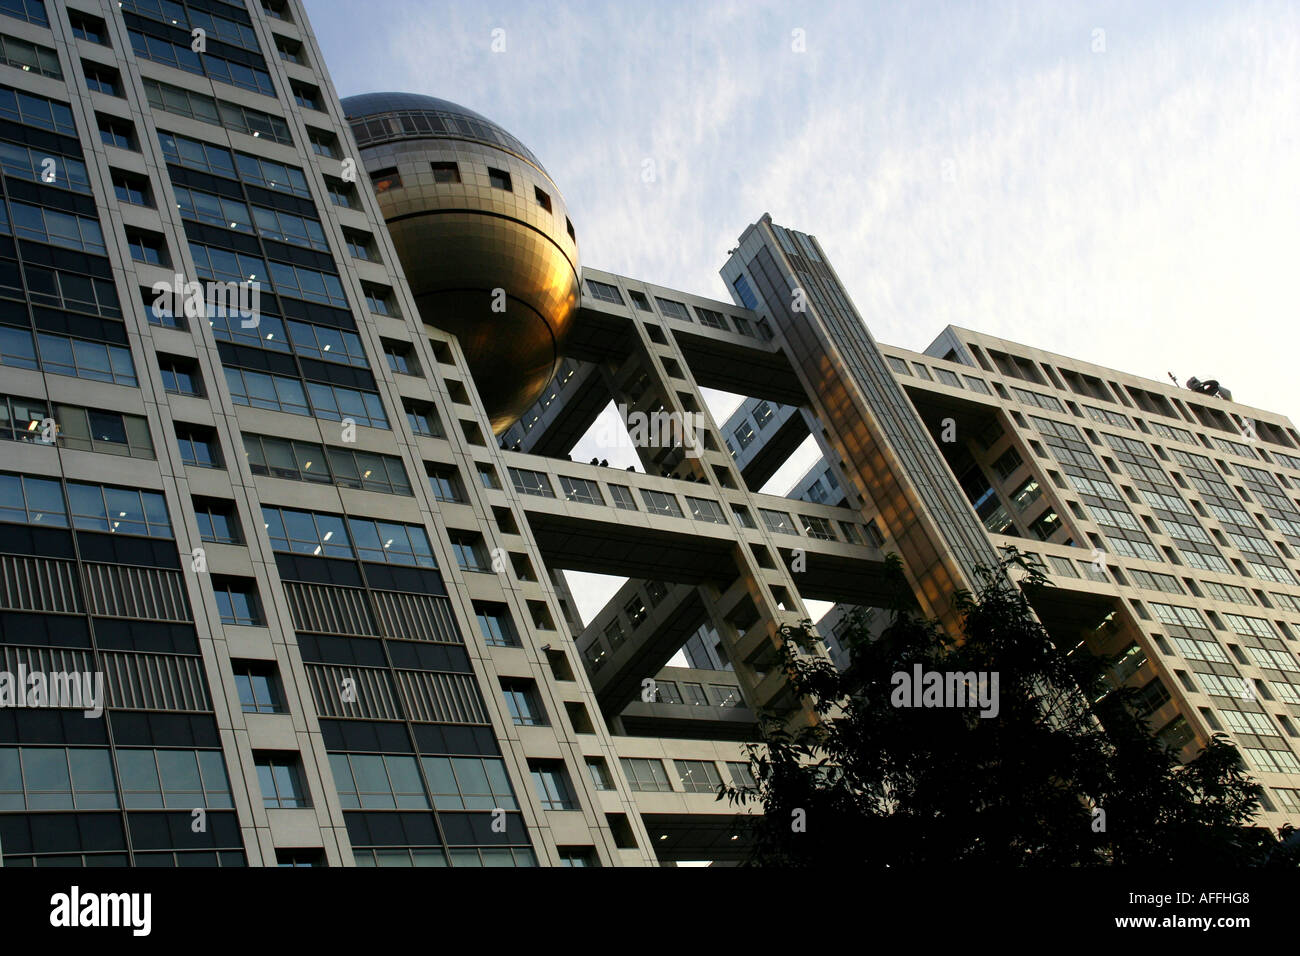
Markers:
(1117, 182)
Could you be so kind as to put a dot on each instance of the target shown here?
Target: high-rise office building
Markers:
(289, 388)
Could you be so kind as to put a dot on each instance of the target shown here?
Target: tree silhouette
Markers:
(1065, 773)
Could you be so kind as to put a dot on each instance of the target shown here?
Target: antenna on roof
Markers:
(1173, 378)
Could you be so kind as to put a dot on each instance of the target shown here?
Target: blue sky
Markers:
(983, 164)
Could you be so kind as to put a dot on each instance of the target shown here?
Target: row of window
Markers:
(33, 11)
(670, 308)
(64, 229)
(328, 464)
(208, 109)
(339, 536)
(235, 29)
(329, 402)
(25, 499)
(209, 64)
(61, 289)
(29, 57)
(244, 167)
(61, 355)
(29, 109)
(449, 172)
(85, 429)
(528, 482)
(282, 278)
(82, 778)
(394, 782)
(700, 695)
(944, 376)
(44, 166)
(239, 216)
(324, 343)
(695, 776)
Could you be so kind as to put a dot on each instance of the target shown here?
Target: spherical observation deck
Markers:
(483, 236)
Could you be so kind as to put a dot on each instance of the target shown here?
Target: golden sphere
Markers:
(483, 237)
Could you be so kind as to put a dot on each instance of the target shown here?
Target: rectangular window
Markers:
(495, 624)
(57, 778)
(217, 521)
(207, 109)
(1046, 525)
(308, 97)
(552, 785)
(599, 771)
(85, 27)
(378, 782)
(281, 780)
(470, 552)
(56, 228)
(661, 503)
(740, 774)
(360, 246)
(32, 110)
(712, 319)
(445, 482)
(636, 611)
(118, 510)
(132, 189)
(102, 79)
(198, 445)
(29, 57)
(522, 703)
(401, 357)
(1007, 463)
(237, 601)
(1028, 492)
(468, 783)
(116, 132)
(446, 173)
(673, 310)
(698, 776)
(604, 291)
(777, 521)
(746, 294)
(33, 11)
(174, 779)
(500, 179)
(622, 496)
(531, 483)
(702, 509)
(323, 143)
(645, 774)
(423, 418)
(179, 376)
(582, 490)
(258, 686)
(148, 248)
(817, 527)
